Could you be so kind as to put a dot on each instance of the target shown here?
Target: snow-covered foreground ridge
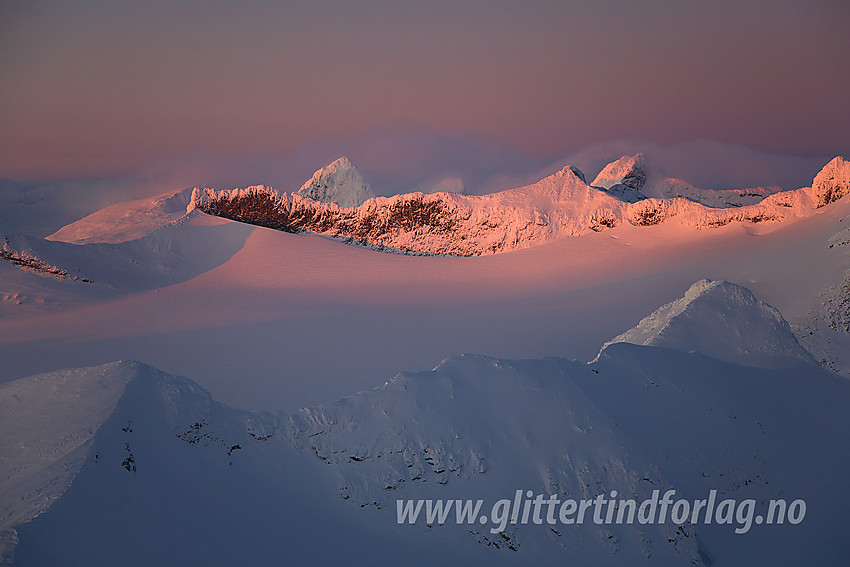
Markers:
(159, 458)
(558, 206)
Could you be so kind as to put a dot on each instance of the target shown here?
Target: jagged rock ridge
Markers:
(558, 206)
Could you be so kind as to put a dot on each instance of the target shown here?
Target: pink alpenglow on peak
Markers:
(832, 182)
(340, 183)
(559, 206)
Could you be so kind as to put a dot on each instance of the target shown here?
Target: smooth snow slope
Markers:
(169, 254)
(126, 221)
(721, 320)
(40, 209)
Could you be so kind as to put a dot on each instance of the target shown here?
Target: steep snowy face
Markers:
(338, 182)
(46, 424)
(476, 422)
(628, 170)
(724, 321)
(832, 182)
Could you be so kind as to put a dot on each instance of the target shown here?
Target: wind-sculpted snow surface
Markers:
(556, 207)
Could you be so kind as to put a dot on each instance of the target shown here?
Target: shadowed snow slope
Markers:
(721, 320)
(174, 478)
(46, 425)
(215, 485)
(169, 254)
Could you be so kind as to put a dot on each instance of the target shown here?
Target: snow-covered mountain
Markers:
(712, 391)
(557, 207)
(631, 179)
(832, 182)
(438, 223)
(165, 255)
(47, 423)
(209, 484)
(337, 202)
(126, 221)
(157, 457)
(338, 182)
(722, 320)
(253, 276)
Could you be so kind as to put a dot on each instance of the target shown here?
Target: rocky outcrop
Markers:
(558, 206)
(832, 182)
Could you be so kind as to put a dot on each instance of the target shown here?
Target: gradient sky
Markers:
(96, 88)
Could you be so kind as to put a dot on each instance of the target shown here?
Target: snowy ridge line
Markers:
(699, 321)
(557, 207)
(127, 220)
(630, 179)
(166, 253)
(26, 261)
(472, 430)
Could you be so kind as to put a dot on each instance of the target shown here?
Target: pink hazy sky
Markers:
(92, 88)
